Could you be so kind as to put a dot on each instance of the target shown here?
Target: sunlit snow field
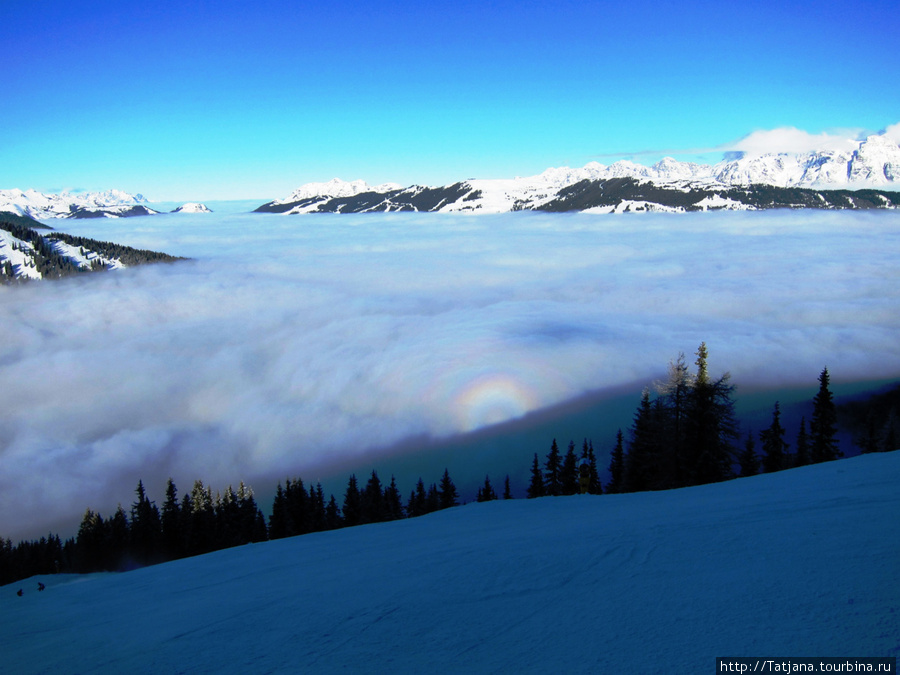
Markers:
(292, 343)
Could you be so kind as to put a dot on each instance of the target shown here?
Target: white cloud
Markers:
(793, 140)
(893, 132)
(293, 343)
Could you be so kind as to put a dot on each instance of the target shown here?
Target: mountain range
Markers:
(868, 176)
(863, 178)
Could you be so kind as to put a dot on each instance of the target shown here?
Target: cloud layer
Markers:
(292, 343)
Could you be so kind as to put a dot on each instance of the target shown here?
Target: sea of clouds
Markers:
(288, 343)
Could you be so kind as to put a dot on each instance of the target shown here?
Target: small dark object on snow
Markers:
(41, 586)
(20, 592)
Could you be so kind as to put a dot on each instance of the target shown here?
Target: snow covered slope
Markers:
(111, 203)
(29, 252)
(798, 563)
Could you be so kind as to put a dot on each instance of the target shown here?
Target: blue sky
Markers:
(217, 100)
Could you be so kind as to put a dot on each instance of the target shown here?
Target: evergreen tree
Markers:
(536, 487)
(674, 467)
(433, 499)
(823, 426)
(372, 508)
(298, 507)
(333, 518)
(553, 472)
(507, 493)
(118, 535)
(418, 501)
(774, 448)
(171, 524)
(569, 472)
(447, 491)
(317, 501)
(202, 520)
(486, 493)
(146, 530)
(643, 465)
(352, 510)
(617, 466)
(802, 456)
(709, 428)
(392, 501)
(278, 520)
(748, 460)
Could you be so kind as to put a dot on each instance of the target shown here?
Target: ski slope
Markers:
(799, 563)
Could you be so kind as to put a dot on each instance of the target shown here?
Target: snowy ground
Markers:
(800, 563)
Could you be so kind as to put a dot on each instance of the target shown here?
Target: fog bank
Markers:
(291, 343)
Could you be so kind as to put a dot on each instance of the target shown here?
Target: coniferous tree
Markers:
(278, 520)
(709, 429)
(392, 501)
(643, 465)
(486, 493)
(447, 491)
(617, 466)
(333, 519)
(202, 520)
(352, 510)
(536, 487)
(675, 466)
(372, 508)
(299, 508)
(146, 531)
(595, 488)
(569, 472)
(823, 426)
(802, 456)
(418, 501)
(553, 472)
(774, 448)
(171, 524)
(507, 493)
(748, 460)
(433, 499)
(118, 533)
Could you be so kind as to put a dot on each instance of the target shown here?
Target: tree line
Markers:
(687, 434)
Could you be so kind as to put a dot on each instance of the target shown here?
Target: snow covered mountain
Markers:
(875, 164)
(111, 204)
(796, 563)
(27, 253)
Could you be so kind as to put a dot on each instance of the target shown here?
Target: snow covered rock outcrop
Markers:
(192, 207)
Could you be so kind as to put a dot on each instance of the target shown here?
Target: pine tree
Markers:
(823, 426)
(352, 510)
(748, 460)
(709, 428)
(418, 501)
(372, 508)
(536, 487)
(146, 531)
(617, 466)
(333, 519)
(643, 466)
(507, 493)
(392, 501)
(447, 491)
(569, 472)
(486, 493)
(118, 535)
(553, 472)
(774, 448)
(171, 524)
(278, 520)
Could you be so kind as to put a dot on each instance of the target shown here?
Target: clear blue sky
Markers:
(222, 99)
